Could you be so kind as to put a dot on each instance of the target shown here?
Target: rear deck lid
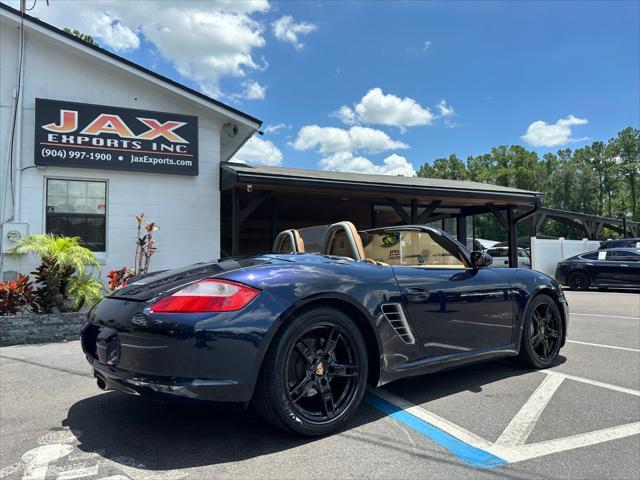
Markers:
(157, 283)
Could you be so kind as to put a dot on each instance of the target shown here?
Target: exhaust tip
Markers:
(101, 383)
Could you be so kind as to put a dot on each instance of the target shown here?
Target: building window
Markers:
(77, 208)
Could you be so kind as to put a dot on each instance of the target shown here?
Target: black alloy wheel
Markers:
(322, 372)
(578, 281)
(314, 374)
(542, 333)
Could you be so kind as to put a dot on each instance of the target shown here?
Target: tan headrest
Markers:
(352, 236)
(288, 241)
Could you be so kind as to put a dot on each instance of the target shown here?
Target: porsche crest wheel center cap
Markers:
(320, 369)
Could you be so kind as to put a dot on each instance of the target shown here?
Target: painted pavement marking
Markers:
(615, 347)
(521, 426)
(510, 446)
(605, 316)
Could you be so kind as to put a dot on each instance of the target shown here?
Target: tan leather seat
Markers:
(288, 241)
(342, 239)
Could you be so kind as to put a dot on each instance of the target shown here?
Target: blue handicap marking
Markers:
(467, 453)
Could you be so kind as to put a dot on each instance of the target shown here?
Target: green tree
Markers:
(450, 167)
(82, 36)
(627, 147)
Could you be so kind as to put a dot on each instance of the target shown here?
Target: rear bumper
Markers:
(200, 356)
(163, 387)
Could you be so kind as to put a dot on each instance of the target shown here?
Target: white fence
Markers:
(545, 254)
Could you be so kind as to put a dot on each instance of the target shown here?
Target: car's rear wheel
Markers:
(314, 374)
(542, 333)
(578, 281)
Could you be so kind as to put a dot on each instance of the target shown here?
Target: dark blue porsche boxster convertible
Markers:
(300, 335)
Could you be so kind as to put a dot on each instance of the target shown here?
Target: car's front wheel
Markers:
(542, 333)
(314, 374)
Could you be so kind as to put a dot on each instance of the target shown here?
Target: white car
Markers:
(501, 257)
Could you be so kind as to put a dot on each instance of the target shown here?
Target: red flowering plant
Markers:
(16, 295)
(118, 278)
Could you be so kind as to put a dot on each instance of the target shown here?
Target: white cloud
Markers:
(445, 110)
(542, 134)
(276, 128)
(113, 33)
(347, 162)
(254, 91)
(204, 40)
(258, 152)
(331, 140)
(379, 108)
(287, 30)
(427, 45)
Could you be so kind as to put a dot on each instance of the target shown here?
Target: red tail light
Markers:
(209, 295)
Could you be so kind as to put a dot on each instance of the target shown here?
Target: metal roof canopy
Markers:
(237, 174)
(317, 196)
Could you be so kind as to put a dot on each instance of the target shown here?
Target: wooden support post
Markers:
(461, 228)
(414, 211)
(274, 220)
(374, 216)
(235, 222)
(512, 238)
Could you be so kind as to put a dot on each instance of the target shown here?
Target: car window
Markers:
(590, 256)
(498, 252)
(624, 256)
(412, 248)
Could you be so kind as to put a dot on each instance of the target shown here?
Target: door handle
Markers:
(416, 294)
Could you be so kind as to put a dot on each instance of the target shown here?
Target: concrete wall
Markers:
(546, 253)
(186, 208)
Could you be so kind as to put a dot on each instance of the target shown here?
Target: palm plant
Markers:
(84, 290)
(62, 257)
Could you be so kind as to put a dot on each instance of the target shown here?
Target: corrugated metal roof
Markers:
(373, 181)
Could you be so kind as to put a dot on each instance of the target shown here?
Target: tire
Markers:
(542, 324)
(314, 374)
(578, 281)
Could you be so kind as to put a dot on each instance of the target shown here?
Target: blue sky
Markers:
(498, 66)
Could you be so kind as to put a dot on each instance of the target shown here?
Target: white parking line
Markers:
(615, 347)
(510, 446)
(596, 383)
(521, 426)
(548, 447)
(605, 316)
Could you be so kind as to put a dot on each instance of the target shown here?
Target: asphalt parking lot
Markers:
(580, 419)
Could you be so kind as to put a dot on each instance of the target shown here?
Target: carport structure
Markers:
(258, 202)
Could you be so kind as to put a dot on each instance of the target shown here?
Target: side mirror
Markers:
(481, 259)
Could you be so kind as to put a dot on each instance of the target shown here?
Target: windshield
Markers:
(411, 248)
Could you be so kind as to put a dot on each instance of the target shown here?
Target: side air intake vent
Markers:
(395, 316)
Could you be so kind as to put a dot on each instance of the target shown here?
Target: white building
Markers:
(108, 177)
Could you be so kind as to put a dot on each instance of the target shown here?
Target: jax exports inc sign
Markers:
(95, 136)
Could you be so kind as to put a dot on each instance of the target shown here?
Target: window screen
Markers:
(77, 208)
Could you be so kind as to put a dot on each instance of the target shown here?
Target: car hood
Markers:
(158, 283)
